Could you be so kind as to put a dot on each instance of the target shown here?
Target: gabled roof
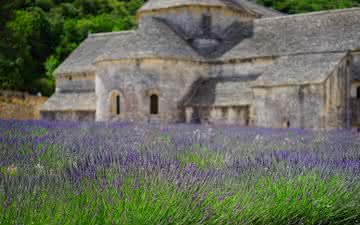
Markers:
(328, 31)
(81, 59)
(299, 70)
(153, 39)
(79, 101)
(237, 5)
(223, 91)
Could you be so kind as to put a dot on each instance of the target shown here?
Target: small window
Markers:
(286, 123)
(154, 104)
(118, 105)
(70, 77)
(115, 103)
(358, 92)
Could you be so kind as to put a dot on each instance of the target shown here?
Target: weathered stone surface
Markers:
(223, 91)
(136, 81)
(323, 105)
(301, 106)
(234, 5)
(355, 66)
(83, 83)
(20, 105)
(328, 31)
(68, 115)
(300, 69)
(73, 101)
(216, 61)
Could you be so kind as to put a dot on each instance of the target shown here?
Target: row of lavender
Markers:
(67, 159)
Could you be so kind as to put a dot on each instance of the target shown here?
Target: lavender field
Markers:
(102, 173)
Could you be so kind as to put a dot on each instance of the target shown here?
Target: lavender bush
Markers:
(102, 173)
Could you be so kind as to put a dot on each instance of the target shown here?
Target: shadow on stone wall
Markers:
(208, 43)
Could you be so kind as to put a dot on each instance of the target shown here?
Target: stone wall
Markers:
(68, 115)
(75, 83)
(355, 84)
(288, 106)
(355, 66)
(240, 68)
(337, 111)
(137, 80)
(355, 116)
(20, 106)
(218, 115)
(189, 17)
(173, 81)
(324, 105)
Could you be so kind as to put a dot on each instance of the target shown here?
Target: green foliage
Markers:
(57, 178)
(303, 6)
(37, 35)
(201, 157)
(306, 199)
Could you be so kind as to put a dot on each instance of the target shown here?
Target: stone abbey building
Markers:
(217, 61)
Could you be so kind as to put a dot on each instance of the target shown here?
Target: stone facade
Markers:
(137, 80)
(215, 61)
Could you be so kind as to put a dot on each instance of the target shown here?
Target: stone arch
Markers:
(153, 91)
(154, 100)
(154, 104)
(115, 102)
(286, 123)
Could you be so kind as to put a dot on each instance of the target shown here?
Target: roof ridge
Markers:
(256, 7)
(318, 13)
(312, 66)
(105, 34)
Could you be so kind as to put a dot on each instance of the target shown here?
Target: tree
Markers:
(30, 42)
(302, 6)
(37, 35)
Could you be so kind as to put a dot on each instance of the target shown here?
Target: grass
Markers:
(56, 173)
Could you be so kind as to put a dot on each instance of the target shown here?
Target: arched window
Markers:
(115, 103)
(358, 92)
(154, 104)
(286, 123)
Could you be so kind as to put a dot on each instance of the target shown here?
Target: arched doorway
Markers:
(154, 104)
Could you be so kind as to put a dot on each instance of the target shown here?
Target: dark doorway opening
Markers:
(358, 92)
(154, 104)
(195, 117)
(286, 123)
(118, 105)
